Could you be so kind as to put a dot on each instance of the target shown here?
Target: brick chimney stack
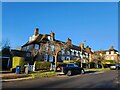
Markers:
(36, 31)
(82, 46)
(52, 34)
(69, 41)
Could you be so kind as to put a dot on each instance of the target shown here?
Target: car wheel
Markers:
(69, 73)
(82, 71)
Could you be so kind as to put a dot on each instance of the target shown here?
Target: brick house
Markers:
(73, 53)
(110, 55)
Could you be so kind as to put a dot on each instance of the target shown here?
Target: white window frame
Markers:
(107, 53)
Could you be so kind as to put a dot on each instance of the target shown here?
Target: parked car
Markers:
(69, 69)
(115, 66)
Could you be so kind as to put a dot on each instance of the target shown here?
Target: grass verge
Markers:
(44, 74)
(98, 69)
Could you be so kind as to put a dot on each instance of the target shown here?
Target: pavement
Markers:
(9, 76)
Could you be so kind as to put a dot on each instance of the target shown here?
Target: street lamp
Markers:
(57, 49)
(81, 53)
(81, 58)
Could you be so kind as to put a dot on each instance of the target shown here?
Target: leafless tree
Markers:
(52, 48)
(98, 57)
(5, 47)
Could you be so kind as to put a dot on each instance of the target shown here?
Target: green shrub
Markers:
(44, 74)
(18, 61)
(42, 65)
(92, 64)
(59, 63)
(68, 61)
(108, 62)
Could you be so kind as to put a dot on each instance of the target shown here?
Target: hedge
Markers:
(18, 61)
(42, 65)
(68, 61)
(108, 61)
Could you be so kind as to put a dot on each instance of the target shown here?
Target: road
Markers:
(107, 79)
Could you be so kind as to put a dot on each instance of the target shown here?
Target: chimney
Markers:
(36, 31)
(82, 46)
(52, 34)
(69, 41)
(88, 49)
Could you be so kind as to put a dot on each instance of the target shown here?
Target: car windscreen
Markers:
(115, 65)
(70, 65)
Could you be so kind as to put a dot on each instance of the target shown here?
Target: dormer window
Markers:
(107, 53)
(112, 52)
(50, 38)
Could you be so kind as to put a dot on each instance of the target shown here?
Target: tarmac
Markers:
(7, 76)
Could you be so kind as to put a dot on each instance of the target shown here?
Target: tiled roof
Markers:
(43, 38)
(75, 47)
(40, 38)
(104, 51)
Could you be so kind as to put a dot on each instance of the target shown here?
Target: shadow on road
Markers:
(90, 72)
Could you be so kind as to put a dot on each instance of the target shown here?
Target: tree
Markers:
(5, 48)
(52, 48)
(98, 57)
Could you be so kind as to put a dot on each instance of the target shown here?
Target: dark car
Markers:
(69, 69)
(115, 66)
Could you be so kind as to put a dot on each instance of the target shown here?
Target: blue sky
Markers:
(95, 22)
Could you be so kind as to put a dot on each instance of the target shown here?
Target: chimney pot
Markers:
(36, 31)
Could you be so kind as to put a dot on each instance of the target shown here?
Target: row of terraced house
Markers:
(85, 54)
(72, 53)
(39, 43)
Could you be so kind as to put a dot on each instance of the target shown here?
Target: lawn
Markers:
(98, 69)
(43, 74)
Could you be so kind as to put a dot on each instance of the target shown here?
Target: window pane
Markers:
(36, 46)
(75, 65)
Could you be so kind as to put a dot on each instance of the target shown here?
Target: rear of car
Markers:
(112, 67)
(115, 66)
(61, 69)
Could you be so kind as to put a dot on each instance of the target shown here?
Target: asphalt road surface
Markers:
(107, 79)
